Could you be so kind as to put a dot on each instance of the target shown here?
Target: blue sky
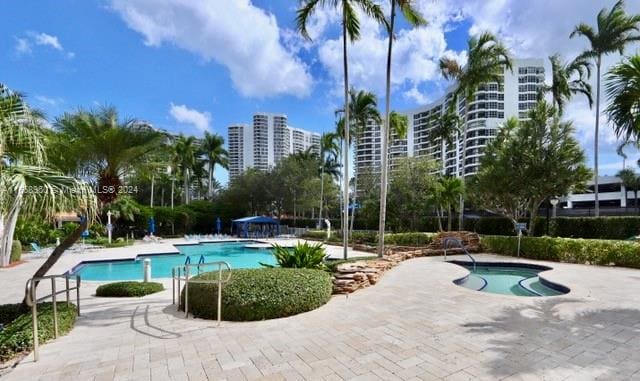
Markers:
(188, 66)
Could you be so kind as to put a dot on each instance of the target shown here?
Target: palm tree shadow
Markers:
(540, 339)
(148, 328)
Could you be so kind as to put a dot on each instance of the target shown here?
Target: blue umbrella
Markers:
(218, 225)
(152, 225)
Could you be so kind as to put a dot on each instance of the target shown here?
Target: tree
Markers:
(487, 61)
(563, 87)
(329, 151)
(615, 29)
(528, 162)
(623, 93)
(414, 18)
(105, 147)
(213, 149)
(351, 31)
(446, 126)
(185, 157)
(27, 186)
(448, 191)
(630, 181)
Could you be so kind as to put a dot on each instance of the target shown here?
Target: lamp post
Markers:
(109, 226)
(554, 202)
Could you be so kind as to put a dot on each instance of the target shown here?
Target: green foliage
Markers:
(319, 235)
(258, 294)
(128, 289)
(16, 251)
(17, 336)
(623, 87)
(409, 239)
(301, 256)
(36, 229)
(595, 227)
(589, 251)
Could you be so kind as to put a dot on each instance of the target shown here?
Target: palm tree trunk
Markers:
(449, 219)
(345, 154)
(384, 135)
(464, 159)
(439, 216)
(355, 200)
(635, 199)
(186, 186)
(153, 181)
(210, 188)
(7, 229)
(321, 196)
(595, 138)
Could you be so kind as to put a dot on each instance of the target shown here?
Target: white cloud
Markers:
(47, 40)
(186, 115)
(24, 45)
(48, 100)
(415, 95)
(236, 34)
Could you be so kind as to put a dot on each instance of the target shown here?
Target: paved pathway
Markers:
(415, 324)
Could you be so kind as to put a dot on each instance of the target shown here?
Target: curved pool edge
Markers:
(564, 290)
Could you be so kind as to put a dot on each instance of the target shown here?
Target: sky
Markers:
(190, 66)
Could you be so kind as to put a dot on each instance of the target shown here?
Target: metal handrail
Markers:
(30, 291)
(446, 243)
(183, 273)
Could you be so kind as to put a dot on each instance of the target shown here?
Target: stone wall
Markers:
(352, 276)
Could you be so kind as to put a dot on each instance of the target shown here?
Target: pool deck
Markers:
(415, 324)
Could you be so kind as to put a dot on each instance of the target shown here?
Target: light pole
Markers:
(109, 226)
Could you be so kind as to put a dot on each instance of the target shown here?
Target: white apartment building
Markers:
(492, 105)
(264, 143)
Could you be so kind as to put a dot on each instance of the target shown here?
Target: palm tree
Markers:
(414, 18)
(615, 29)
(623, 93)
(445, 127)
(351, 31)
(630, 181)
(185, 156)
(105, 147)
(213, 148)
(488, 59)
(329, 152)
(27, 185)
(449, 190)
(563, 87)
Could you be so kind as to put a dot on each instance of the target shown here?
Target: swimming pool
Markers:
(234, 253)
(520, 279)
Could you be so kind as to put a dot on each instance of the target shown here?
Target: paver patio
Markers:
(414, 324)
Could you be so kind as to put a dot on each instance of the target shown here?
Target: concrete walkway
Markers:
(414, 324)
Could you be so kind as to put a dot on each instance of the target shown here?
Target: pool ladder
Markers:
(449, 241)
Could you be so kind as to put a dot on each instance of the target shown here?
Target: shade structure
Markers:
(255, 225)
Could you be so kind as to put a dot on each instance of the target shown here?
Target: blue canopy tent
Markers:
(257, 225)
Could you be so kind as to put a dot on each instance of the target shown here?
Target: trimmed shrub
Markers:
(364, 237)
(17, 336)
(409, 239)
(318, 235)
(128, 289)
(16, 251)
(569, 250)
(596, 227)
(259, 294)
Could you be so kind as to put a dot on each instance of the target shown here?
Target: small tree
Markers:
(631, 181)
(527, 163)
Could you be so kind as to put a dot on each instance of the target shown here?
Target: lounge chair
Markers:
(38, 251)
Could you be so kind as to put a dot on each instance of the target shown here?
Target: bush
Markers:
(364, 237)
(17, 336)
(319, 235)
(302, 256)
(596, 227)
(569, 250)
(128, 289)
(409, 239)
(258, 294)
(16, 251)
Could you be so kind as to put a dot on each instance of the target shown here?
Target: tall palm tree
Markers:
(329, 152)
(414, 18)
(623, 93)
(446, 126)
(630, 181)
(449, 191)
(213, 149)
(488, 58)
(615, 29)
(563, 82)
(185, 156)
(351, 31)
(105, 147)
(27, 185)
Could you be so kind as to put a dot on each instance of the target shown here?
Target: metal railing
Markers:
(183, 273)
(447, 242)
(32, 301)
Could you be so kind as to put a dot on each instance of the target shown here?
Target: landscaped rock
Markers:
(350, 277)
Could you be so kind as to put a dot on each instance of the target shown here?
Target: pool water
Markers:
(233, 253)
(509, 279)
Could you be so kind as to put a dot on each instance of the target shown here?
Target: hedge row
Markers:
(16, 251)
(128, 289)
(258, 294)
(569, 250)
(17, 335)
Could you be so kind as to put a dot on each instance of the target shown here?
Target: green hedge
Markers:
(570, 250)
(258, 294)
(128, 289)
(16, 251)
(596, 227)
(17, 336)
(409, 239)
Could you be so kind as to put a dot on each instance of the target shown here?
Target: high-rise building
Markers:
(264, 143)
(493, 103)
